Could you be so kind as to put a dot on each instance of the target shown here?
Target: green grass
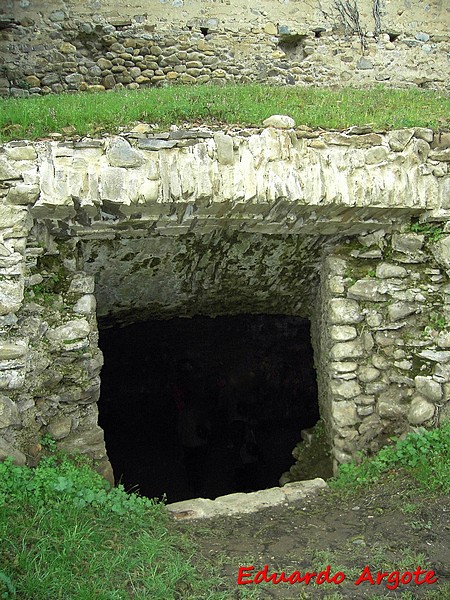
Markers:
(64, 535)
(424, 455)
(86, 114)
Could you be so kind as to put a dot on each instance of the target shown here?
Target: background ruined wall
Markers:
(52, 47)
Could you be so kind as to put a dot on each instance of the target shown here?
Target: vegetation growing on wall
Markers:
(87, 114)
(425, 455)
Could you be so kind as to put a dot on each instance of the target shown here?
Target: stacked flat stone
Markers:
(222, 222)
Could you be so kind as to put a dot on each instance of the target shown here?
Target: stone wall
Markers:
(314, 224)
(384, 359)
(54, 47)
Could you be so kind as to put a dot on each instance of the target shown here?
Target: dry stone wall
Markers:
(385, 359)
(49, 49)
(216, 222)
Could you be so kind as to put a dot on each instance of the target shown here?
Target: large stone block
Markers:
(82, 284)
(7, 449)
(387, 270)
(9, 170)
(121, 154)
(368, 374)
(20, 152)
(89, 442)
(400, 310)
(344, 311)
(225, 152)
(426, 386)
(72, 330)
(11, 295)
(343, 333)
(441, 251)
(399, 139)
(23, 193)
(420, 411)
(344, 413)
(12, 379)
(367, 290)
(280, 122)
(60, 427)
(343, 350)
(345, 389)
(391, 404)
(9, 413)
(408, 243)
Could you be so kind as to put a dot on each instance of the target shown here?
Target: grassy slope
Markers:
(85, 114)
(63, 536)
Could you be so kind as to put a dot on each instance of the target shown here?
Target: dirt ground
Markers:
(387, 528)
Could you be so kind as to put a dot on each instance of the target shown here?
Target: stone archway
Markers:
(271, 223)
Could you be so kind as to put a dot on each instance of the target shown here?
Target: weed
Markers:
(438, 321)
(7, 588)
(425, 455)
(419, 525)
(66, 535)
(408, 508)
(432, 233)
(48, 442)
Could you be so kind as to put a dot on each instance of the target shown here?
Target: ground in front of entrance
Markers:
(387, 528)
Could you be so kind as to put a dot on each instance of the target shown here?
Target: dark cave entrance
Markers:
(206, 406)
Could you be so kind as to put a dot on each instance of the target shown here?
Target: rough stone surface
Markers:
(280, 122)
(366, 289)
(73, 330)
(432, 390)
(387, 270)
(60, 427)
(237, 504)
(343, 350)
(407, 242)
(159, 224)
(441, 252)
(343, 333)
(420, 411)
(6, 450)
(400, 310)
(9, 414)
(345, 389)
(344, 311)
(121, 154)
(344, 413)
(225, 153)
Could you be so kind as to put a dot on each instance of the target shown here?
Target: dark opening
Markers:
(206, 406)
(318, 32)
(291, 43)
(204, 31)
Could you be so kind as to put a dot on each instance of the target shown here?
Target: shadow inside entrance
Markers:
(206, 406)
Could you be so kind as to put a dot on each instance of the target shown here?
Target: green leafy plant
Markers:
(432, 233)
(425, 455)
(438, 321)
(7, 588)
(101, 543)
(48, 442)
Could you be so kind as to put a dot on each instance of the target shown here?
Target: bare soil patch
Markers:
(390, 527)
